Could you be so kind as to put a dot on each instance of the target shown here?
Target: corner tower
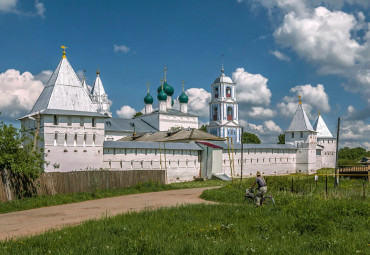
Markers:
(224, 109)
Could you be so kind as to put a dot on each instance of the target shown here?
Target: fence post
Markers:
(292, 185)
(326, 186)
(363, 191)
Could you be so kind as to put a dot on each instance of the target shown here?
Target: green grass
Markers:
(302, 222)
(58, 199)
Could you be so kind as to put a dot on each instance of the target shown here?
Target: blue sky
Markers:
(273, 49)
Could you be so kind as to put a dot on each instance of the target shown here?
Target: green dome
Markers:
(162, 96)
(148, 99)
(183, 98)
(167, 88)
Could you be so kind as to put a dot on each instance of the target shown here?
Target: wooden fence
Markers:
(362, 172)
(85, 181)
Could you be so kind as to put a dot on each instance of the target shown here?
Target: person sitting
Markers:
(262, 188)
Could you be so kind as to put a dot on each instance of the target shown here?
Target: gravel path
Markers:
(36, 221)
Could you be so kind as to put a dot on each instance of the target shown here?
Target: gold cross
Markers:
(165, 70)
(64, 50)
(183, 84)
(147, 84)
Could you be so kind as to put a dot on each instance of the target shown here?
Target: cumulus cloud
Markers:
(259, 112)
(126, 112)
(251, 88)
(44, 76)
(198, 101)
(279, 55)
(266, 131)
(354, 134)
(121, 48)
(10, 6)
(271, 126)
(313, 98)
(19, 92)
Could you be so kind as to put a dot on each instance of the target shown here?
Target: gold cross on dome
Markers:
(165, 70)
(147, 84)
(299, 96)
(183, 85)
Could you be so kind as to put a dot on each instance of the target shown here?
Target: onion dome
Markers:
(183, 98)
(162, 96)
(167, 88)
(148, 99)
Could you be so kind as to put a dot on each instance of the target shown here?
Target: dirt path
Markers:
(36, 221)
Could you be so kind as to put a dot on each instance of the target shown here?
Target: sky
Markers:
(274, 50)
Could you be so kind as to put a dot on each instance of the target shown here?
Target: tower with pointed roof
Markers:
(224, 109)
(69, 124)
(99, 97)
(301, 134)
(326, 141)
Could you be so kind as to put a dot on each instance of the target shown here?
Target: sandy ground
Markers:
(36, 221)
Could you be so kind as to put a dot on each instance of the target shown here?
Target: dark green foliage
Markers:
(250, 138)
(137, 114)
(281, 139)
(203, 128)
(19, 160)
(351, 156)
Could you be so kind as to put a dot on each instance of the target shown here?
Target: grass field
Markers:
(58, 199)
(302, 222)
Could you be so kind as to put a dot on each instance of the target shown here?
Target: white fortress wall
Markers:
(180, 160)
(168, 121)
(72, 144)
(328, 153)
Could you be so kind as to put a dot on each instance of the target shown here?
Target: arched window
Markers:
(216, 92)
(301, 134)
(229, 113)
(75, 141)
(228, 92)
(55, 139)
(93, 123)
(65, 139)
(215, 113)
(55, 120)
(85, 136)
(93, 143)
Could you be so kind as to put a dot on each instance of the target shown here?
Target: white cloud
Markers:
(313, 98)
(354, 133)
(271, 126)
(126, 112)
(40, 9)
(44, 76)
(259, 112)
(267, 132)
(8, 5)
(121, 48)
(251, 88)
(279, 55)
(18, 92)
(198, 101)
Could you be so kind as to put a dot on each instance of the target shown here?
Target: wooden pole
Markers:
(242, 153)
(336, 179)
(232, 153)
(160, 155)
(165, 161)
(228, 151)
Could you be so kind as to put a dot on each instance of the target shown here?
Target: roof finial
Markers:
(162, 83)
(84, 74)
(183, 85)
(64, 50)
(165, 70)
(147, 84)
(319, 113)
(97, 71)
(222, 63)
(300, 101)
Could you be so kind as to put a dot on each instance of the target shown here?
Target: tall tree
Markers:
(250, 138)
(137, 114)
(281, 139)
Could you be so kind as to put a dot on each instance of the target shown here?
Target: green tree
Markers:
(281, 139)
(351, 156)
(203, 128)
(19, 161)
(137, 114)
(250, 138)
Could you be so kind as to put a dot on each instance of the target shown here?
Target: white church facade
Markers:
(77, 133)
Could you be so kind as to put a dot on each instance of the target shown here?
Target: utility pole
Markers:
(336, 179)
(241, 166)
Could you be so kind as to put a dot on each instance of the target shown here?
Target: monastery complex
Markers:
(78, 132)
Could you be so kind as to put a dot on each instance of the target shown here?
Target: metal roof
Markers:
(64, 91)
(210, 145)
(321, 128)
(98, 89)
(257, 146)
(300, 121)
(150, 145)
(223, 79)
(129, 125)
(84, 85)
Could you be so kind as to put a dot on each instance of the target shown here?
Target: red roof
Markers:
(210, 145)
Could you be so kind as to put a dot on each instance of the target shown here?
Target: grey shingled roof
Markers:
(321, 128)
(64, 91)
(150, 145)
(129, 125)
(300, 121)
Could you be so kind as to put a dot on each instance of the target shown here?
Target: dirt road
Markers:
(36, 221)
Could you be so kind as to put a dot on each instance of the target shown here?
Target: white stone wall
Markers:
(115, 136)
(80, 150)
(168, 121)
(267, 161)
(328, 155)
(181, 165)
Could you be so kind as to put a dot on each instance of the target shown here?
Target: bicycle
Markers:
(250, 198)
